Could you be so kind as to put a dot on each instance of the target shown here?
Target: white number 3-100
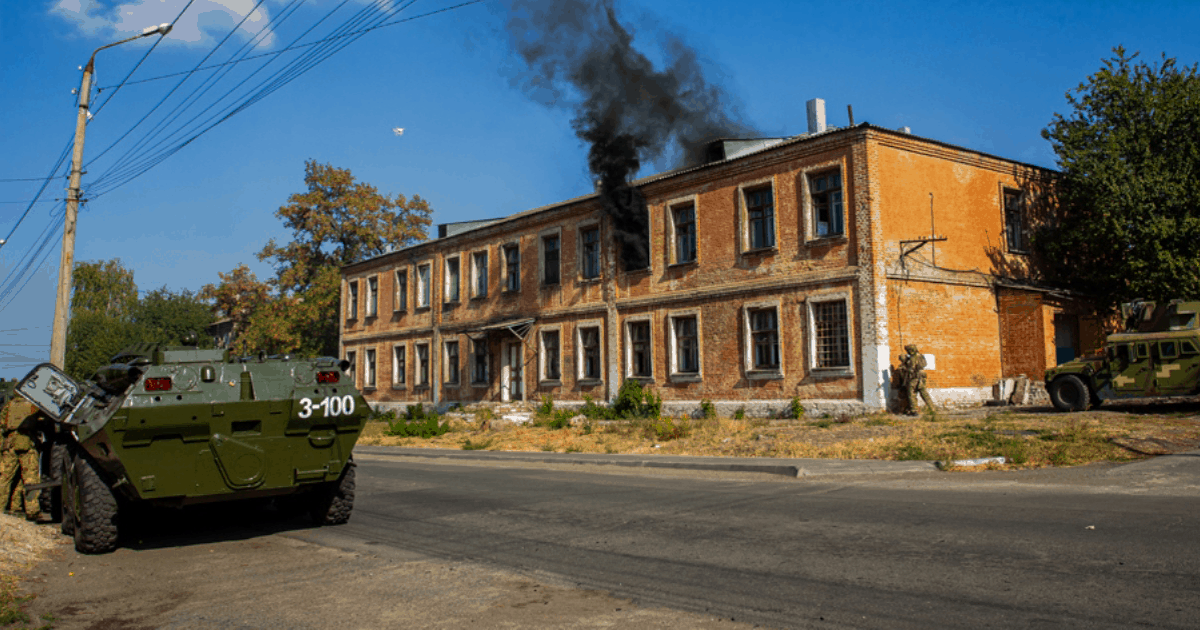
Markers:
(330, 407)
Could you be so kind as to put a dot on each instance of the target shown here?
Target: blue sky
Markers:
(984, 75)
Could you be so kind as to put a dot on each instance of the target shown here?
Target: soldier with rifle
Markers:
(911, 377)
(19, 423)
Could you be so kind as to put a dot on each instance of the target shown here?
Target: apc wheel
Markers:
(95, 510)
(332, 505)
(51, 498)
(1069, 393)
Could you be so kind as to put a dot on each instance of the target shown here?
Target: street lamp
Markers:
(62, 304)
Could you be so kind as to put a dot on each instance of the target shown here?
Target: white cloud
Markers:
(204, 21)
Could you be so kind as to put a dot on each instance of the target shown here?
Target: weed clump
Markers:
(417, 423)
(795, 409)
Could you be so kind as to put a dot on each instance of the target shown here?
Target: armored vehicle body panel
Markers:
(179, 425)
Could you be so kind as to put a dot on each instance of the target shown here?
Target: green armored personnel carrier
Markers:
(1157, 354)
(180, 425)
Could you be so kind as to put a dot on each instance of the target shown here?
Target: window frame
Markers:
(750, 368)
(512, 281)
(451, 370)
(810, 315)
(370, 368)
(352, 299)
(543, 251)
(400, 290)
(399, 366)
(452, 280)
(745, 223)
(478, 291)
(581, 376)
(807, 176)
(1021, 247)
(583, 246)
(627, 325)
(546, 361)
(352, 359)
(487, 364)
(372, 306)
(424, 285)
(673, 207)
(421, 369)
(674, 353)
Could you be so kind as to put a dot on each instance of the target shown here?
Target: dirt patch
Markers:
(22, 545)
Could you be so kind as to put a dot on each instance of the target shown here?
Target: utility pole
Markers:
(66, 267)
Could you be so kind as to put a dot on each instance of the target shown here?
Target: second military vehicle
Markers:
(177, 425)
(1157, 354)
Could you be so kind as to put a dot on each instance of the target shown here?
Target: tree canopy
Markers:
(107, 315)
(335, 222)
(1129, 153)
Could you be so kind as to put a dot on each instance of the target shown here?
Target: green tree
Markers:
(103, 300)
(1129, 153)
(163, 316)
(337, 221)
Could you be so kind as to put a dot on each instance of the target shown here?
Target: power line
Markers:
(305, 45)
(26, 179)
(157, 41)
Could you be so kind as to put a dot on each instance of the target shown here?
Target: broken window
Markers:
(398, 365)
(401, 297)
(589, 344)
(452, 363)
(372, 296)
(423, 286)
(641, 364)
(479, 262)
(687, 345)
(551, 370)
(452, 279)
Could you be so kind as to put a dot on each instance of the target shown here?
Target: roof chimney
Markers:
(816, 115)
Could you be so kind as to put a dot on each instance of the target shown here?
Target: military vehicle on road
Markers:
(1157, 354)
(178, 425)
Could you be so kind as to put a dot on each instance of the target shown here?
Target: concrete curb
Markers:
(761, 465)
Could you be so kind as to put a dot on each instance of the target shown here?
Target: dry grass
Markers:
(1028, 440)
(22, 544)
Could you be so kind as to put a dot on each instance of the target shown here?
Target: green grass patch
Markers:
(417, 423)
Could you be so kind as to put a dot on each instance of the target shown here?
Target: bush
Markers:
(634, 401)
(795, 409)
(418, 423)
(707, 409)
(546, 409)
(740, 414)
(560, 419)
(592, 411)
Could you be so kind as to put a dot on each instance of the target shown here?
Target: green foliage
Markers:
(707, 409)
(821, 424)
(739, 413)
(1129, 153)
(335, 222)
(107, 316)
(634, 401)
(560, 419)
(664, 429)
(592, 411)
(546, 409)
(795, 409)
(167, 317)
(418, 423)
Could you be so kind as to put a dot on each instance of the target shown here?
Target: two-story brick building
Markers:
(791, 267)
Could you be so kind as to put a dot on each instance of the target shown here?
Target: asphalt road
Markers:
(451, 543)
(916, 553)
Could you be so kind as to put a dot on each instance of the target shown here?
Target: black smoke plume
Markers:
(627, 111)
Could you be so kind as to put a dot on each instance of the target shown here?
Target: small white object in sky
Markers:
(399, 131)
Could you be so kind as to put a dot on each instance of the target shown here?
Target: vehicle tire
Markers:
(51, 498)
(67, 492)
(332, 505)
(1070, 393)
(95, 509)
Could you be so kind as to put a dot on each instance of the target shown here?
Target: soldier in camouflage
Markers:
(19, 456)
(912, 377)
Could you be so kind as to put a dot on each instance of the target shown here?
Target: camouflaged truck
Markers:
(174, 426)
(1158, 354)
